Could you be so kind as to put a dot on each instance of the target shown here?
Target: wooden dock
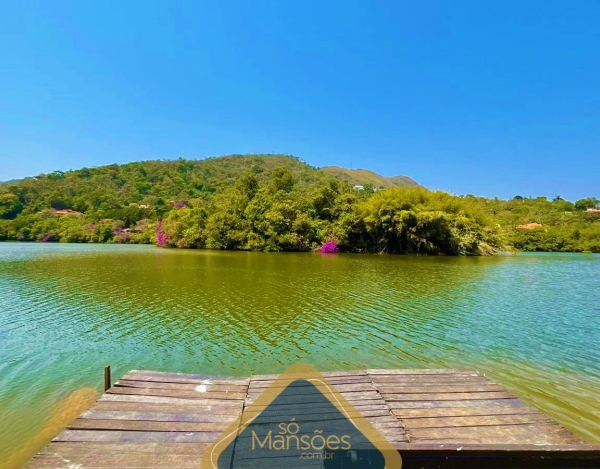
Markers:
(435, 418)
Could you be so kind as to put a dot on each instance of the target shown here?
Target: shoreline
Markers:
(504, 253)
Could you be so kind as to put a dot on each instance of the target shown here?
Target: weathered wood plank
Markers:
(112, 436)
(159, 416)
(436, 389)
(182, 386)
(110, 397)
(121, 460)
(429, 404)
(175, 393)
(447, 396)
(408, 414)
(238, 403)
(98, 448)
(147, 426)
(532, 434)
(477, 421)
(119, 406)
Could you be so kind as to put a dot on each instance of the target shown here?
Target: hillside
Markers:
(364, 176)
(277, 202)
(253, 202)
(156, 183)
(151, 182)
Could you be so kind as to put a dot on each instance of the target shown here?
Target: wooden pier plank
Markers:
(464, 411)
(110, 397)
(147, 425)
(476, 421)
(210, 387)
(135, 437)
(444, 388)
(212, 409)
(446, 396)
(158, 416)
(194, 394)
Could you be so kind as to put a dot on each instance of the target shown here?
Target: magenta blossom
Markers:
(162, 237)
(48, 237)
(124, 237)
(329, 247)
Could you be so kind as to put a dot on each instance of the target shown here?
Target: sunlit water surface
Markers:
(530, 322)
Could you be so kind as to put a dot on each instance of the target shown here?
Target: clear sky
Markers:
(483, 97)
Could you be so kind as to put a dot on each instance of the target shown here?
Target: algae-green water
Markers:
(530, 322)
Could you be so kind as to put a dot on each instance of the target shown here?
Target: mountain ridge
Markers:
(362, 176)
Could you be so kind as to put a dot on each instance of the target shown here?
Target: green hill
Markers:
(151, 182)
(278, 202)
(364, 176)
(156, 183)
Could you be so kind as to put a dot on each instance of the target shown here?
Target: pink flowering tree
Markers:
(162, 237)
(329, 247)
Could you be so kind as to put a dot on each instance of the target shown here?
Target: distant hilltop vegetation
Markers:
(280, 203)
(362, 177)
(215, 172)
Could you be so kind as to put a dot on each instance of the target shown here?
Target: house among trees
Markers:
(593, 210)
(359, 188)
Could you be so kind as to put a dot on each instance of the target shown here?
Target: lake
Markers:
(531, 322)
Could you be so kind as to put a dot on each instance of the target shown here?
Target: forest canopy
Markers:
(279, 203)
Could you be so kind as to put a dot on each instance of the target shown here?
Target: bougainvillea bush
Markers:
(162, 237)
(329, 247)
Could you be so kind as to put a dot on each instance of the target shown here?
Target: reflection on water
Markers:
(64, 412)
(529, 321)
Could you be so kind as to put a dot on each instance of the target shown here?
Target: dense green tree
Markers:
(417, 221)
(584, 204)
(10, 205)
(186, 227)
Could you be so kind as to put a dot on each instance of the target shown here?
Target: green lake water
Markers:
(531, 322)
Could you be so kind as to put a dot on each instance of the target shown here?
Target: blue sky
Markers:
(488, 98)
